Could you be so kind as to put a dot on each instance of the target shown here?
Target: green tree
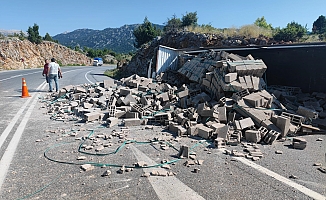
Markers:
(319, 26)
(33, 34)
(21, 35)
(190, 19)
(172, 24)
(144, 33)
(292, 32)
(261, 22)
(47, 37)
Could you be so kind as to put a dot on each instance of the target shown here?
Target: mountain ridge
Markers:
(119, 40)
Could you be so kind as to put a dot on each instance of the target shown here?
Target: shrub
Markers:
(254, 31)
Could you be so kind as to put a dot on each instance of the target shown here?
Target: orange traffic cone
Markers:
(24, 89)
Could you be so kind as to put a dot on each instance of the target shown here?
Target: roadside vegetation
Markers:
(293, 32)
(114, 73)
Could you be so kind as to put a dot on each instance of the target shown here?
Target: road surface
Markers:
(28, 134)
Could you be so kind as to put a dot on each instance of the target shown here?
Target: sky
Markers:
(59, 16)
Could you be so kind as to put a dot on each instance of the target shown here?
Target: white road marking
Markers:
(19, 75)
(10, 151)
(313, 183)
(166, 187)
(282, 179)
(87, 78)
(12, 123)
(126, 186)
(120, 180)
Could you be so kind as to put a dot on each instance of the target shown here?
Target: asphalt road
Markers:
(28, 135)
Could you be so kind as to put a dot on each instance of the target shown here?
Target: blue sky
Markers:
(55, 17)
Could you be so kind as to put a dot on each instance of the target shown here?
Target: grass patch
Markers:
(113, 73)
(247, 31)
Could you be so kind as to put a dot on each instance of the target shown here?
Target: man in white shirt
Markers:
(53, 71)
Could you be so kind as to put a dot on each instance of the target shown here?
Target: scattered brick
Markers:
(87, 167)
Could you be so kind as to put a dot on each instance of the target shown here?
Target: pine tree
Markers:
(33, 34)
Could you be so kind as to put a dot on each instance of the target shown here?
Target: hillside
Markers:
(120, 40)
(12, 50)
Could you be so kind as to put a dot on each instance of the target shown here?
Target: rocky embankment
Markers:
(181, 40)
(17, 54)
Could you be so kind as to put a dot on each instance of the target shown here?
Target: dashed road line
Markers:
(19, 75)
(166, 187)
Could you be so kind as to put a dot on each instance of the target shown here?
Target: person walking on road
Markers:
(45, 70)
(53, 73)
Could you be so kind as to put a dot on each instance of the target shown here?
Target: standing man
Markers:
(45, 70)
(54, 70)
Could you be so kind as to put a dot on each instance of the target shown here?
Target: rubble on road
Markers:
(217, 96)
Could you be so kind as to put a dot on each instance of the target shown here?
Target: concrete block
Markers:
(92, 116)
(108, 83)
(299, 143)
(200, 108)
(252, 136)
(205, 132)
(124, 91)
(283, 123)
(73, 104)
(184, 93)
(216, 126)
(220, 143)
(234, 57)
(256, 83)
(87, 105)
(209, 76)
(306, 112)
(80, 89)
(132, 122)
(271, 136)
(230, 77)
(254, 99)
(263, 131)
(184, 152)
(191, 130)
(143, 88)
(87, 167)
(206, 83)
(131, 114)
(207, 113)
(164, 97)
(129, 99)
(245, 123)
(223, 132)
(248, 82)
(295, 119)
(222, 117)
(111, 121)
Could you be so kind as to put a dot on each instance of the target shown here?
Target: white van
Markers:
(97, 61)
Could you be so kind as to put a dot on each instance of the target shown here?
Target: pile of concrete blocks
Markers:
(235, 84)
(224, 99)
